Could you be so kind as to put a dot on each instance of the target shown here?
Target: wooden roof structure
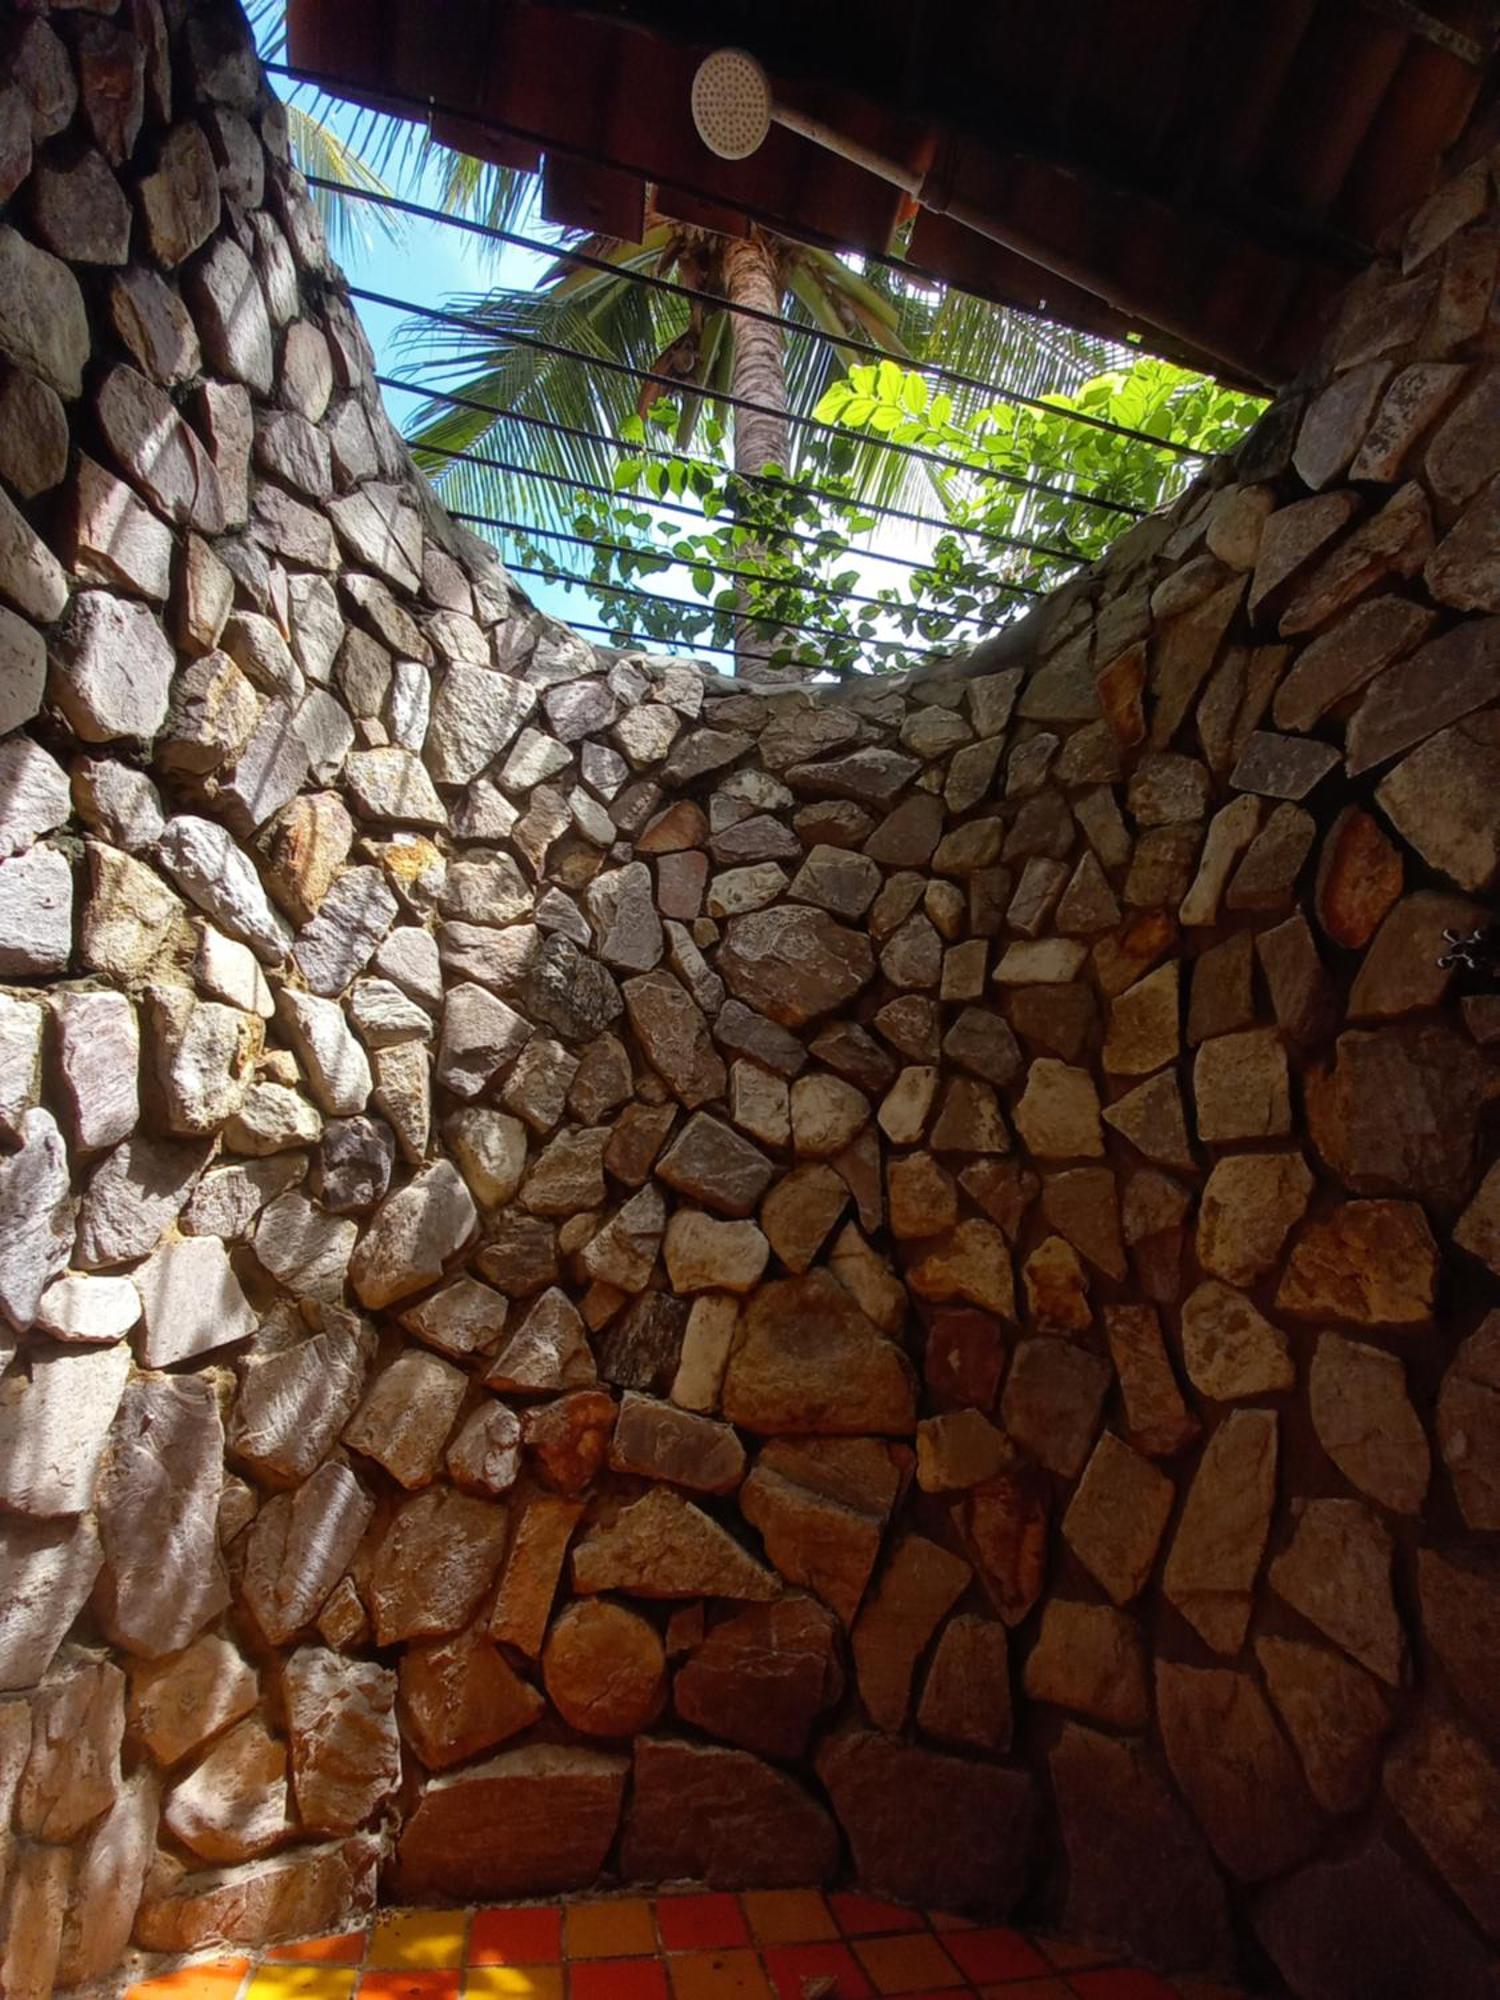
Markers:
(1205, 174)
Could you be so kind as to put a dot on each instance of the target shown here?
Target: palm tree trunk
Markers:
(751, 276)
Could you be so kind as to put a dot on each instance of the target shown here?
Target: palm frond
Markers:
(323, 155)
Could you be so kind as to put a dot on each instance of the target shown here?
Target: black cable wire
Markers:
(767, 533)
(705, 610)
(848, 342)
(718, 569)
(642, 642)
(768, 480)
(474, 323)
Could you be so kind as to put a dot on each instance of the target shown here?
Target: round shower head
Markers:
(731, 103)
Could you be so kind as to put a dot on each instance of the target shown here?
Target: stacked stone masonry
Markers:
(610, 1276)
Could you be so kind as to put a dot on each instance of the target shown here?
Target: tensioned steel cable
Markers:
(718, 569)
(768, 532)
(709, 610)
(425, 110)
(475, 323)
(850, 343)
(768, 480)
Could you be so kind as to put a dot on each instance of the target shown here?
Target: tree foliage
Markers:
(797, 542)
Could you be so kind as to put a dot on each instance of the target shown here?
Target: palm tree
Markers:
(515, 406)
(513, 372)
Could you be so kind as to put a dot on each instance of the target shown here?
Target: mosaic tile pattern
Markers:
(779, 1944)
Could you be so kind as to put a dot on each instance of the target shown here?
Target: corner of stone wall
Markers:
(609, 1277)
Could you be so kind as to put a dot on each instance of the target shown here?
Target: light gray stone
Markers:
(36, 1217)
(299, 1545)
(158, 1501)
(191, 1301)
(47, 1569)
(204, 862)
(36, 913)
(337, 1068)
(412, 1235)
(54, 1420)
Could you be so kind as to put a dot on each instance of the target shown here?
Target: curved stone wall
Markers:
(610, 1277)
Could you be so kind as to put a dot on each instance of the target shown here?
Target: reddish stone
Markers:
(1359, 878)
(763, 1677)
(1003, 1526)
(965, 1358)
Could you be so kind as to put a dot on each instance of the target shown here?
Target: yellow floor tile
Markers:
(302, 1982)
(619, 1929)
(915, 1963)
(513, 1982)
(789, 1916)
(419, 1939)
(718, 1975)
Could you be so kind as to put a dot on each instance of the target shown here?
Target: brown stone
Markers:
(1371, 1263)
(794, 963)
(714, 1164)
(1337, 1573)
(1447, 1789)
(460, 1696)
(720, 1816)
(299, 1545)
(533, 1565)
(235, 1804)
(1230, 1350)
(1158, 1420)
(1052, 1402)
(1359, 877)
(920, 1585)
(664, 1546)
(1460, 1598)
(1241, 1089)
(1343, 660)
(604, 1669)
(763, 1677)
(1117, 1517)
(1440, 800)
(926, 1828)
(1335, 1715)
(966, 1699)
(1091, 1659)
(530, 1822)
(568, 1438)
(311, 1890)
(1250, 1203)
(1221, 1533)
(656, 1440)
(1151, 1117)
(434, 1564)
(821, 1508)
(1440, 683)
(674, 1037)
(1140, 1877)
(806, 1359)
(1370, 1927)
(1234, 1765)
(181, 1701)
(345, 1752)
(1366, 1424)
(1399, 1111)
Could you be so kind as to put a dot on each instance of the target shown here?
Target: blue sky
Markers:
(430, 262)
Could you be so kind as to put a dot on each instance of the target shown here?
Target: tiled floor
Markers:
(782, 1944)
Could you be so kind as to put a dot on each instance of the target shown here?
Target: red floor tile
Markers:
(1121, 1983)
(995, 1955)
(700, 1923)
(410, 1986)
(218, 1980)
(516, 1937)
(869, 1916)
(348, 1948)
(618, 1979)
(790, 1965)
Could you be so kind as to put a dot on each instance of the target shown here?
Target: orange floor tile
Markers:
(765, 1944)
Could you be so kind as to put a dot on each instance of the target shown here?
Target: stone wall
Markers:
(613, 1278)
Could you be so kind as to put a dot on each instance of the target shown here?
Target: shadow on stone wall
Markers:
(615, 1278)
